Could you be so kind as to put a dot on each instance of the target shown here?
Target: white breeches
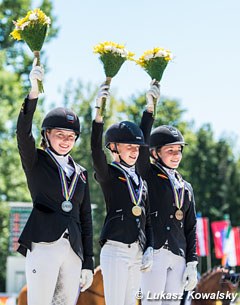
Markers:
(120, 264)
(163, 284)
(53, 273)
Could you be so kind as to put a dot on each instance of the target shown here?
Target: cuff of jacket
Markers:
(96, 136)
(88, 263)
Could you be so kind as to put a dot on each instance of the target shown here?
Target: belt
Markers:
(121, 244)
(66, 235)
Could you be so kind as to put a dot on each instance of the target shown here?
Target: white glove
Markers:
(37, 73)
(190, 276)
(86, 279)
(153, 93)
(102, 93)
(147, 260)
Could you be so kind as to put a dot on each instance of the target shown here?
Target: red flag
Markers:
(202, 236)
(218, 230)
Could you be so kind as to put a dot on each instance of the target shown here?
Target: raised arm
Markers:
(99, 158)
(25, 139)
(143, 163)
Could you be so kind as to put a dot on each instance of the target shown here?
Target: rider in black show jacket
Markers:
(181, 235)
(57, 239)
(48, 221)
(46, 192)
(172, 208)
(126, 237)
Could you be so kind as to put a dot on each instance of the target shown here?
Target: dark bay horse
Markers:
(219, 284)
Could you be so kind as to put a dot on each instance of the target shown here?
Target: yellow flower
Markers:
(35, 16)
(16, 34)
(155, 61)
(114, 48)
(154, 53)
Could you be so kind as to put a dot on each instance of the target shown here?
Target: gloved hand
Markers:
(153, 93)
(86, 279)
(190, 276)
(147, 260)
(37, 73)
(102, 93)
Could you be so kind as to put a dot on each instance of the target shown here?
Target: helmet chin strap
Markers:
(115, 150)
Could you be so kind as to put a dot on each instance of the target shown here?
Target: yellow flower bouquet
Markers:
(154, 63)
(33, 30)
(112, 56)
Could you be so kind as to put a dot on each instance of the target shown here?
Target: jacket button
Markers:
(171, 216)
(129, 246)
(168, 228)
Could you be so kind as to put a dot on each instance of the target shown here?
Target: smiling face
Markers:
(62, 141)
(171, 155)
(128, 152)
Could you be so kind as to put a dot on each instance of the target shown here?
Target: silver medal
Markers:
(67, 206)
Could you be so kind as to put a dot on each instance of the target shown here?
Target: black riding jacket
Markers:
(120, 224)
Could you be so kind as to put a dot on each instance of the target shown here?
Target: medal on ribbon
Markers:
(179, 197)
(177, 192)
(136, 197)
(67, 192)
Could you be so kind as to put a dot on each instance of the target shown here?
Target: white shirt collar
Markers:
(64, 163)
(131, 172)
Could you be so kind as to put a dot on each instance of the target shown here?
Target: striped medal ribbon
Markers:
(136, 197)
(67, 192)
(178, 193)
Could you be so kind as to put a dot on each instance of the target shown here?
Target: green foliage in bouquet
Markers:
(112, 56)
(154, 62)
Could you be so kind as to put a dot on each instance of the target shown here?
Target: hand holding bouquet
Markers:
(154, 63)
(112, 56)
(33, 30)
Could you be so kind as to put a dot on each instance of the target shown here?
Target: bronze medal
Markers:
(179, 214)
(136, 210)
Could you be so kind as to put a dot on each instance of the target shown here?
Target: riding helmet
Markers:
(124, 132)
(166, 135)
(61, 118)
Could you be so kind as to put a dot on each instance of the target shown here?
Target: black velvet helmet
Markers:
(166, 135)
(61, 118)
(124, 132)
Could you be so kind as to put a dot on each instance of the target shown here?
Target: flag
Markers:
(227, 244)
(202, 236)
(219, 233)
(233, 255)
